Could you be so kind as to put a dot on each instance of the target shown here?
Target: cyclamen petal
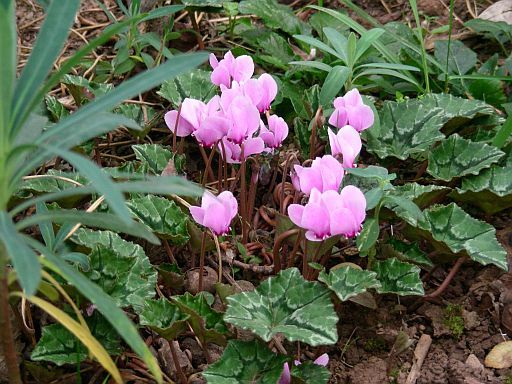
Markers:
(330, 213)
(183, 129)
(268, 88)
(325, 173)
(351, 110)
(216, 213)
(347, 143)
(276, 133)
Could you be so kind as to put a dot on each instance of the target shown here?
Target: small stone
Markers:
(473, 363)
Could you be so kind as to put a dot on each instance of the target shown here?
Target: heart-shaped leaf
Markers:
(286, 304)
(164, 317)
(347, 281)
(457, 157)
(162, 216)
(195, 85)
(309, 373)
(207, 323)
(60, 346)
(410, 252)
(120, 267)
(413, 126)
(156, 157)
(398, 277)
(452, 226)
(246, 362)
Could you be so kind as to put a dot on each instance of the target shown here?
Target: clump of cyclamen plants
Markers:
(238, 124)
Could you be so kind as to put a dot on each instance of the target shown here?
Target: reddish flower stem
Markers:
(243, 194)
(201, 262)
(176, 130)
(277, 246)
(447, 280)
(208, 167)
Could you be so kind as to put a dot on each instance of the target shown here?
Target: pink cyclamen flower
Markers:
(231, 68)
(330, 213)
(325, 173)
(268, 89)
(286, 377)
(216, 212)
(351, 110)
(244, 119)
(277, 131)
(347, 143)
(252, 146)
(204, 121)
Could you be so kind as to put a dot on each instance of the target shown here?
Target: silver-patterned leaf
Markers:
(497, 179)
(245, 362)
(348, 281)
(286, 304)
(452, 226)
(162, 216)
(118, 266)
(155, 157)
(413, 126)
(195, 84)
(398, 277)
(457, 157)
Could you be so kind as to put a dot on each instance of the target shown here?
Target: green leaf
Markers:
(348, 281)
(504, 134)
(246, 362)
(488, 90)
(398, 277)
(286, 304)
(457, 157)
(164, 317)
(460, 60)
(60, 346)
(499, 30)
(195, 84)
(49, 42)
(53, 181)
(496, 179)
(92, 219)
(369, 235)
(310, 373)
(422, 195)
(367, 39)
(405, 208)
(372, 171)
(274, 48)
(410, 252)
(373, 197)
(318, 44)
(8, 67)
(120, 267)
(411, 127)
(274, 15)
(22, 257)
(337, 40)
(154, 155)
(107, 307)
(162, 216)
(452, 226)
(333, 83)
(207, 323)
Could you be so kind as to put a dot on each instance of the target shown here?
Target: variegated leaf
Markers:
(246, 362)
(348, 281)
(457, 157)
(286, 304)
(452, 226)
(411, 127)
(398, 277)
(162, 216)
